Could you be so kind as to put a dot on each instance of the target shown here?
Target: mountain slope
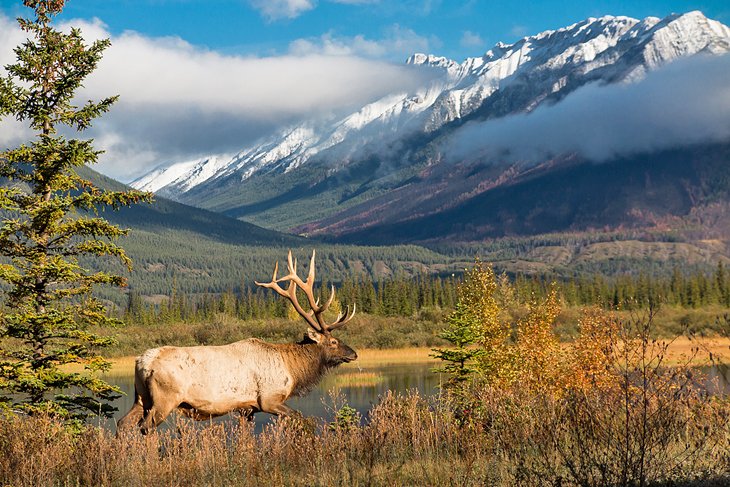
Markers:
(384, 164)
(164, 216)
(660, 190)
(180, 249)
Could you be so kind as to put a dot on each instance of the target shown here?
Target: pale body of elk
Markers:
(247, 376)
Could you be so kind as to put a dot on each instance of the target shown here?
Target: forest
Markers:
(405, 296)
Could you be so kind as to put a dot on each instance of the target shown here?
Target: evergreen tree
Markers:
(462, 332)
(475, 328)
(721, 285)
(49, 222)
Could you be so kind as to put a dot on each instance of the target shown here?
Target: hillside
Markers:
(173, 219)
(666, 190)
(178, 249)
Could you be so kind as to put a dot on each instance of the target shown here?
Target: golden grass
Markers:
(510, 438)
(682, 349)
(367, 358)
(392, 356)
(354, 379)
(678, 351)
(121, 367)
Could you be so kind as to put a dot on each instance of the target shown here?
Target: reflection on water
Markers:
(360, 388)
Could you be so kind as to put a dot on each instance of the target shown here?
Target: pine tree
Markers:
(721, 285)
(462, 332)
(475, 328)
(49, 223)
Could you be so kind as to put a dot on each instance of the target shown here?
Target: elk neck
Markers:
(306, 363)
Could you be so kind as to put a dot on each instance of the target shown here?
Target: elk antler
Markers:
(315, 316)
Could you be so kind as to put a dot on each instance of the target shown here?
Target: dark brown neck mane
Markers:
(306, 363)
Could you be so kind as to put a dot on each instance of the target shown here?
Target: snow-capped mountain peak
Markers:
(507, 79)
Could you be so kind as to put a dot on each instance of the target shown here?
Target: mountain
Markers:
(383, 168)
(670, 190)
(179, 249)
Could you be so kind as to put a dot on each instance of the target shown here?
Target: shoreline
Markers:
(679, 351)
(367, 358)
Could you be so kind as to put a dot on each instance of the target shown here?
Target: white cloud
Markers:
(518, 31)
(282, 9)
(10, 36)
(289, 9)
(355, 2)
(471, 39)
(397, 44)
(686, 102)
(179, 102)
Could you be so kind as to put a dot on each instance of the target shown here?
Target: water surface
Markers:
(359, 388)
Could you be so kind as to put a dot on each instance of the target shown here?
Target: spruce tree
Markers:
(476, 329)
(51, 229)
(462, 333)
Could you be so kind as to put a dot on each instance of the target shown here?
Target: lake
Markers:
(359, 388)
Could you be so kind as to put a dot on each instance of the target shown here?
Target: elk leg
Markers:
(160, 407)
(132, 418)
(275, 405)
(155, 416)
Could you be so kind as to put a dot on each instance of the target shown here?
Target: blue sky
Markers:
(374, 28)
(201, 77)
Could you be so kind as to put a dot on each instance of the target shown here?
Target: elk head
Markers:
(320, 332)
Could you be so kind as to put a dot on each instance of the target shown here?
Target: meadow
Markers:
(648, 416)
(515, 438)
(560, 411)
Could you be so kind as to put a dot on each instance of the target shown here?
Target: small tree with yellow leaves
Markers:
(482, 333)
(592, 352)
(540, 360)
(481, 337)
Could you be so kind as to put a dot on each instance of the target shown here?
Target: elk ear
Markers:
(315, 336)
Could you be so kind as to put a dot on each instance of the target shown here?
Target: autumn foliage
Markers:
(492, 348)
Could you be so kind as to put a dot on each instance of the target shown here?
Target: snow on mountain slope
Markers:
(184, 174)
(507, 79)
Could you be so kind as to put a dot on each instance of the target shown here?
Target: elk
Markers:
(247, 376)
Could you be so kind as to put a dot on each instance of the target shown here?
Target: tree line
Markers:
(407, 296)
(687, 290)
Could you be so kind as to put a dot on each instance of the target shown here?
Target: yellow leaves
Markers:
(540, 357)
(592, 352)
(527, 355)
(477, 294)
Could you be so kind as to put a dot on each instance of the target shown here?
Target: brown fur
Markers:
(246, 376)
(307, 365)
